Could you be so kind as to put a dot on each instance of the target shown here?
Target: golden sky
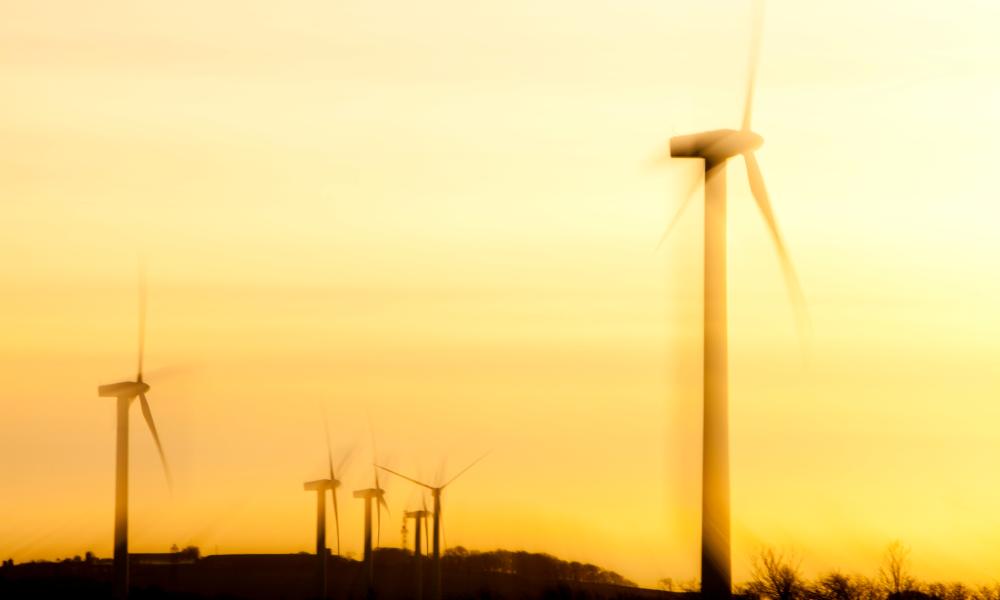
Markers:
(441, 215)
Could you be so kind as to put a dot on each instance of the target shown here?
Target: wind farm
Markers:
(743, 370)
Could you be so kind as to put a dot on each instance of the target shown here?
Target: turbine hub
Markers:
(318, 485)
(715, 146)
(369, 493)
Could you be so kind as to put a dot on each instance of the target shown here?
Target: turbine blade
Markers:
(142, 316)
(756, 33)
(472, 464)
(168, 371)
(344, 460)
(329, 450)
(336, 516)
(660, 159)
(685, 202)
(156, 438)
(378, 522)
(441, 529)
(428, 486)
(788, 270)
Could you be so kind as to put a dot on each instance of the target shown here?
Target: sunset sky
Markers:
(440, 216)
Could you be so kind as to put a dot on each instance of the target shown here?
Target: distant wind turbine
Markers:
(715, 148)
(126, 392)
(436, 539)
(420, 525)
(378, 495)
(320, 486)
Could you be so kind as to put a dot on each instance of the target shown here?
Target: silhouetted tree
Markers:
(867, 588)
(833, 586)
(952, 591)
(534, 566)
(987, 592)
(772, 575)
(894, 573)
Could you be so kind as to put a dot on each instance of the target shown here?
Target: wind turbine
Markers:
(715, 148)
(126, 392)
(436, 540)
(378, 494)
(320, 486)
(418, 516)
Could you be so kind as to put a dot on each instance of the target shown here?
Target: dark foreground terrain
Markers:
(183, 575)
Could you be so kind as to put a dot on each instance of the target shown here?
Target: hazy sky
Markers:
(441, 214)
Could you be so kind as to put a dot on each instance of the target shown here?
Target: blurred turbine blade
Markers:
(333, 479)
(142, 316)
(336, 515)
(329, 450)
(756, 33)
(472, 464)
(343, 460)
(660, 159)
(430, 487)
(788, 270)
(378, 522)
(685, 202)
(427, 535)
(441, 528)
(168, 371)
(156, 438)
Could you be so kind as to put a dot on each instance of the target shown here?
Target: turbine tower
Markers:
(436, 539)
(125, 393)
(715, 148)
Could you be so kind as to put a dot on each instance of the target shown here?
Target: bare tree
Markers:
(835, 586)
(894, 574)
(774, 576)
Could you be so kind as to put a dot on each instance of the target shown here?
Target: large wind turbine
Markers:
(715, 148)
(125, 392)
(320, 486)
(436, 539)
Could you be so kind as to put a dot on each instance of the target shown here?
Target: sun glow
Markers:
(439, 216)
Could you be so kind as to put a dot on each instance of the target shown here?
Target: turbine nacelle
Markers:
(321, 485)
(715, 146)
(369, 493)
(123, 389)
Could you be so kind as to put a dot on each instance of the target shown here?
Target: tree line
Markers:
(530, 565)
(776, 576)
